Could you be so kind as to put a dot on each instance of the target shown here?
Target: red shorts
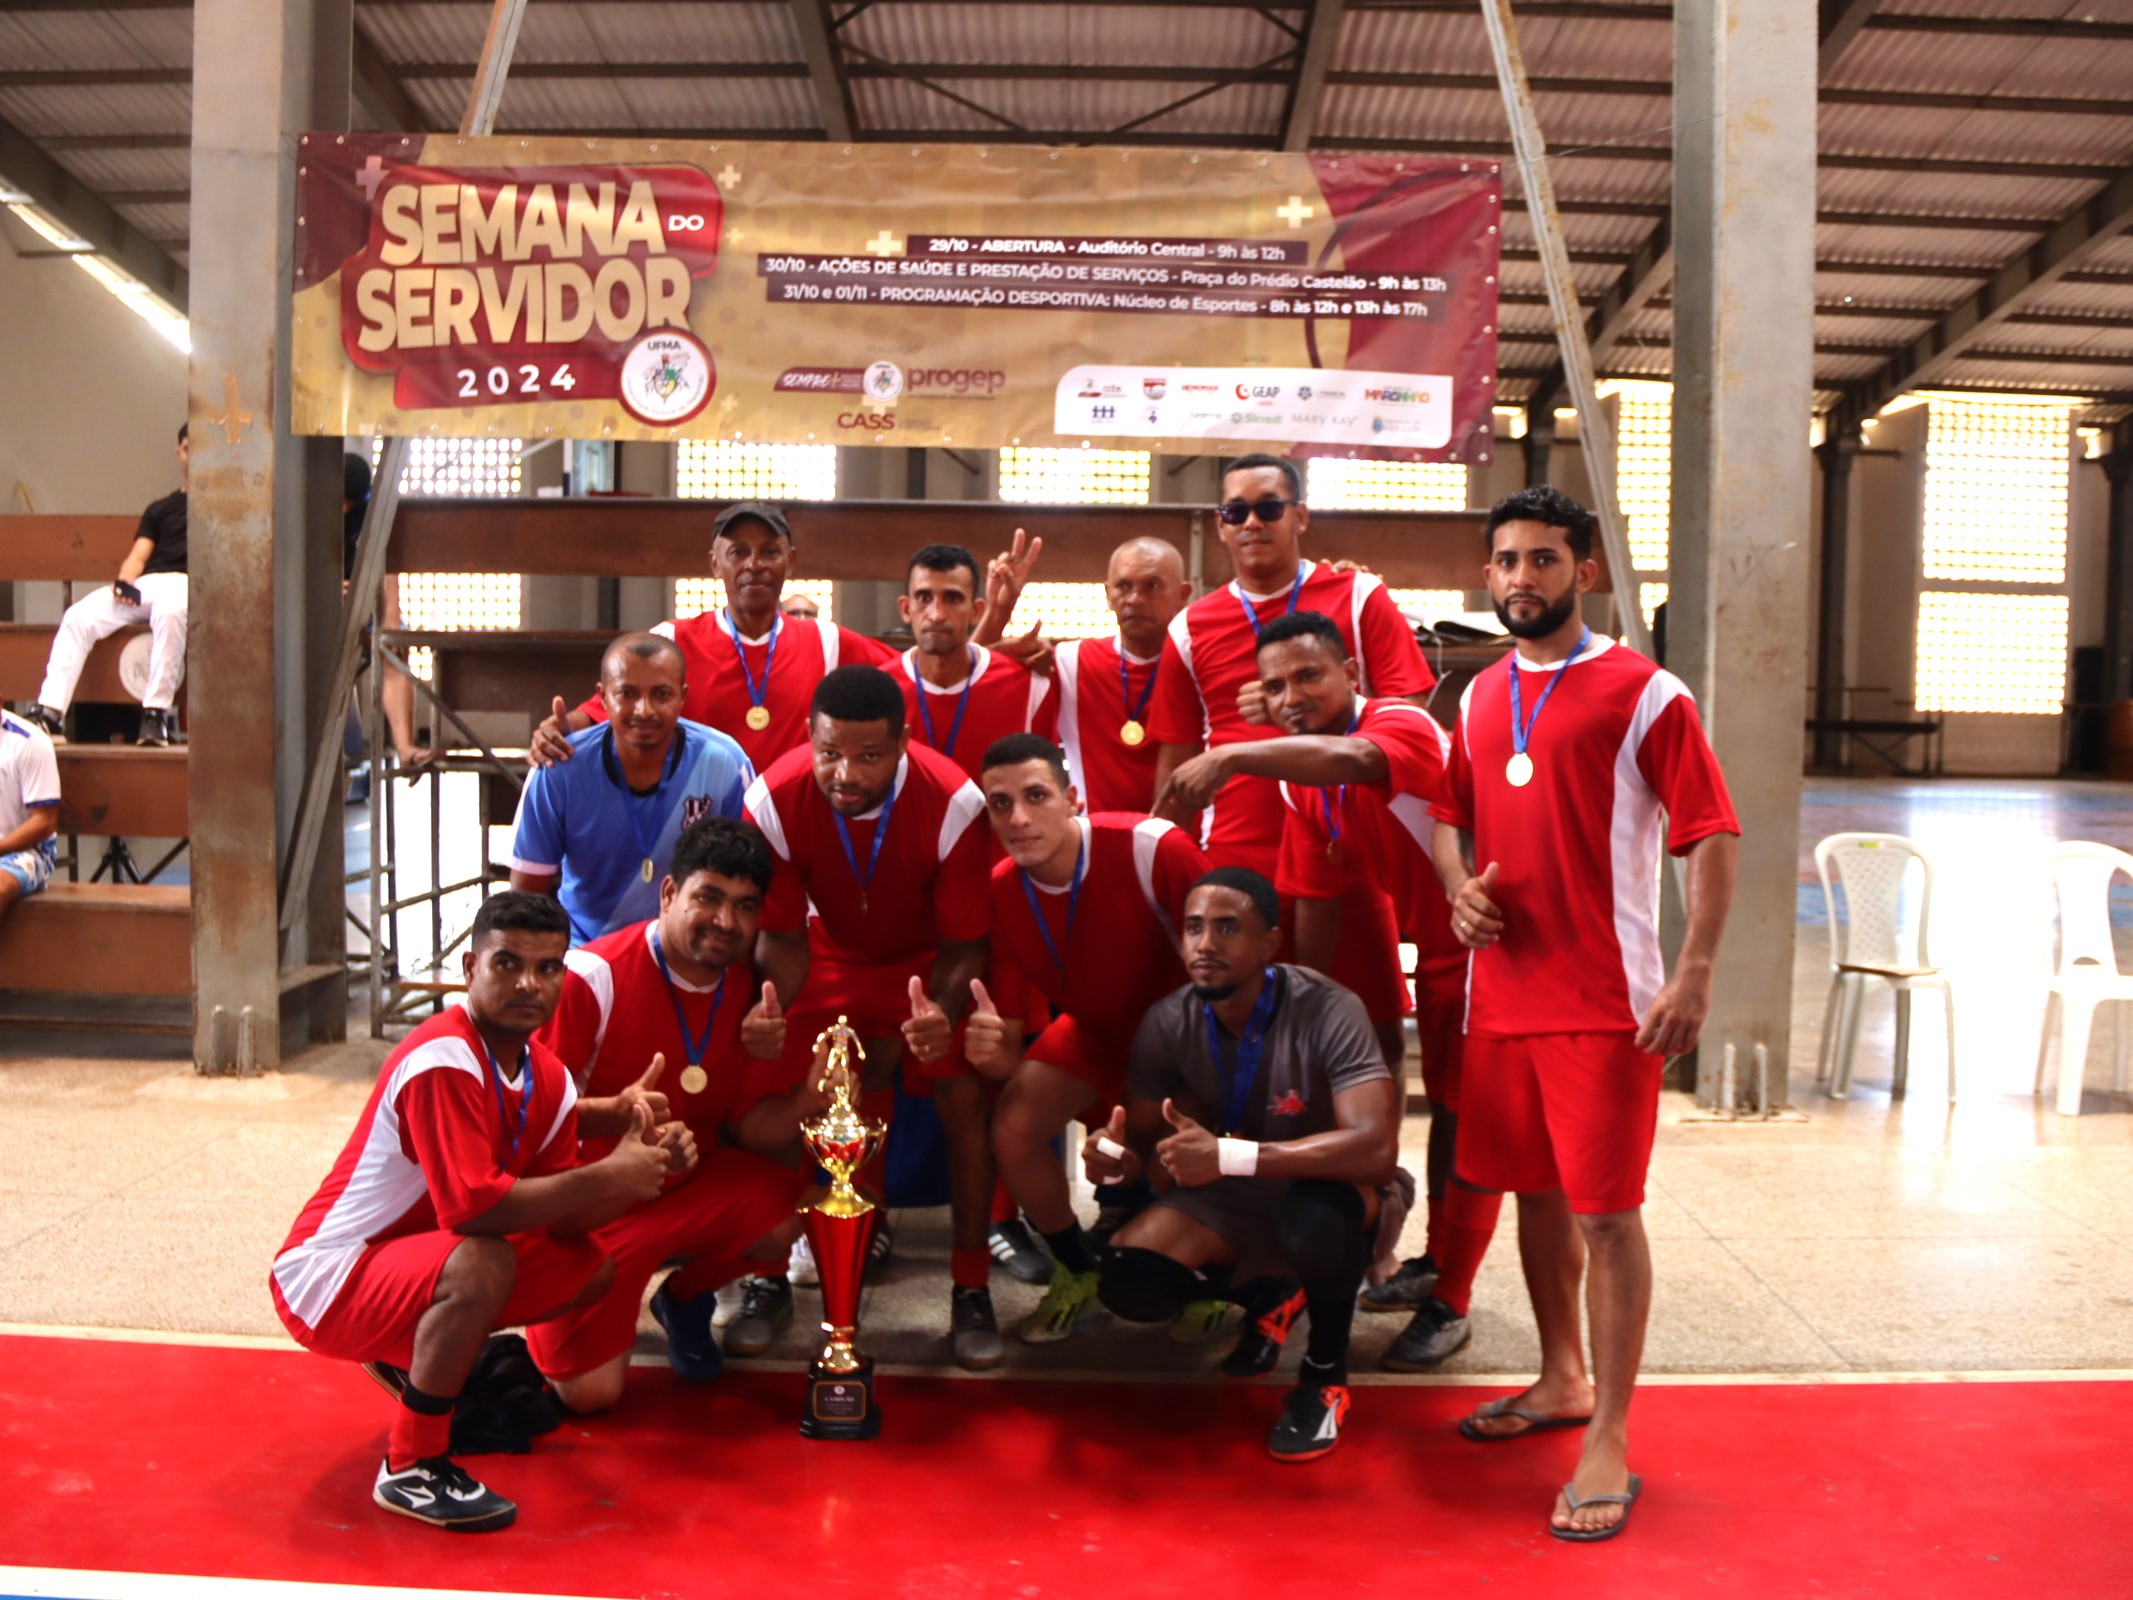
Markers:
(732, 1199)
(1076, 1051)
(876, 1000)
(1569, 1111)
(1367, 959)
(1440, 1024)
(373, 1317)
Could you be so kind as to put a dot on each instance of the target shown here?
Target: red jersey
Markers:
(1000, 696)
(1121, 949)
(440, 1142)
(1212, 652)
(1094, 705)
(785, 664)
(1339, 837)
(1618, 758)
(618, 1011)
(924, 886)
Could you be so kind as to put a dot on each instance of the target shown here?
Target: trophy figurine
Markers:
(840, 1381)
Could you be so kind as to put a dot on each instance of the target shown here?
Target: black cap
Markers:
(756, 510)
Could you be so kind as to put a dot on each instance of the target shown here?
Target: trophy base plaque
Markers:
(840, 1405)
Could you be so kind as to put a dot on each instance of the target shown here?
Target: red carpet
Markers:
(243, 1463)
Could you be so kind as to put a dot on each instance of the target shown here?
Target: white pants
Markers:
(101, 614)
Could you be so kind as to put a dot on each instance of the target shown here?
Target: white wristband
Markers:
(1238, 1158)
(1106, 1145)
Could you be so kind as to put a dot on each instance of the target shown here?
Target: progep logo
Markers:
(956, 381)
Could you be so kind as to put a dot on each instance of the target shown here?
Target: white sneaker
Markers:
(800, 1265)
(730, 1297)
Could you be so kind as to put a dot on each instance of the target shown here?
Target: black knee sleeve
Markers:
(1147, 1286)
(1320, 1225)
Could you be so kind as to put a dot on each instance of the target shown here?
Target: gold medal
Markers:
(1133, 732)
(649, 870)
(758, 717)
(1518, 771)
(694, 1080)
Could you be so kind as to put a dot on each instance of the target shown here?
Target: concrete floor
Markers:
(1865, 1236)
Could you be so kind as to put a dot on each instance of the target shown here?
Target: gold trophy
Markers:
(840, 1381)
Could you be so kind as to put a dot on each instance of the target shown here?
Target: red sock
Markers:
(1433, 1240)
(1469, 1225)
(416, 1438)
(1004, 1208)
(971, 1269)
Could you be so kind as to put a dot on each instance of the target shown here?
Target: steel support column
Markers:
(265, 510)
(1744, 205)
(1835, 454)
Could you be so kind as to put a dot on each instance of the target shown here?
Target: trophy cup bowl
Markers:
(840, 1381)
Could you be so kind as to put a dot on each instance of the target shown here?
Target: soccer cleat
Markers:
(1436, 1332)
(766, 1308)
(1404, 1290)
(691, 1351)
(158, 728)
(392, 1379)
(1069, 1302)
(1310, 1424)
(973, 1331)
(1016, 1248)
(1203, 1320)
(443, 1494)
(54, 723)
(1258, 1350)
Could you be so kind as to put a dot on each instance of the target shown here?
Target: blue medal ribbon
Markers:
(1138, 711)
(1334, 800)
(962, 705)
(1522, 728)
(881, 833)
(525, 1099)
(697, 1048)
(634, 805)
(1036, 903)
(757, 694)
(1251, 614)
(1237, 1092)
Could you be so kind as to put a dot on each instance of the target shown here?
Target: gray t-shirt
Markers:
(1318, 1043)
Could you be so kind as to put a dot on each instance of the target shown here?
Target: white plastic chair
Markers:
(2088, 974)
(1875, 941)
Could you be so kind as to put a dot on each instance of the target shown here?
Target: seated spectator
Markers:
(599, 833)
(151, 588)
(29, 809)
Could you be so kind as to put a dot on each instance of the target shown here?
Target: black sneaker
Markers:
(1020, 1251)
(974, 1331)
(1310, 1424)
(158, 728)
(1436, 1332)
(1404, 1290)
(53, 723)
(1258, 1349)
(691, 1351)
(766, 1309)
(442, 1493)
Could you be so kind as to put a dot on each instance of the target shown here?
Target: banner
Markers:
(895, 295)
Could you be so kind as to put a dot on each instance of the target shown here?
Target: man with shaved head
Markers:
(598, 833)
(1105, 685)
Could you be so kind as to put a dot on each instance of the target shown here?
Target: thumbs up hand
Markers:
(929, 1034)
(1105, 1155)
(1190, 1154)
(763, 1029)
(984, 1033)
(551, 740)
(1477, 921)
(641, 1093)
(637, 1166)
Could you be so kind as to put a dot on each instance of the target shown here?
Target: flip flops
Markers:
(1534, 1420)
(1596, 1535)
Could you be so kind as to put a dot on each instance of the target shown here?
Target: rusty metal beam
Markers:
(822, 64)
(1322, 32)
(1840, 22)
(378, 91)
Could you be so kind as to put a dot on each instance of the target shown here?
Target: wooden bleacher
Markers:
(81, 939)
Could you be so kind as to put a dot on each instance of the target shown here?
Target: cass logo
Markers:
(1287, 1104)
(666, 377)
(871, 421)
(883, 382)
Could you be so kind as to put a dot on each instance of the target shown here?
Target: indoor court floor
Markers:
(1889, 1353)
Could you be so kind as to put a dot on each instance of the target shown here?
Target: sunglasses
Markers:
(1235, 513)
